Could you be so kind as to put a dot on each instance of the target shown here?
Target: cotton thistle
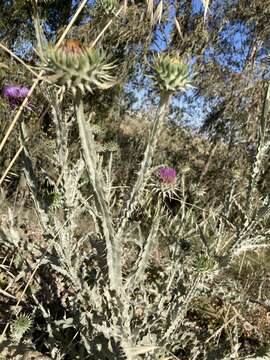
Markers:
(170, 74)
(79, 68)
(15, 94)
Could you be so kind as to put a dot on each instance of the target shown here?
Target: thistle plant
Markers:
(108, 310)
(79, 69)
(76, 67)
(114, 238)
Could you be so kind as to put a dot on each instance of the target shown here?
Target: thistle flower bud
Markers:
(170, 74)
(75, 66)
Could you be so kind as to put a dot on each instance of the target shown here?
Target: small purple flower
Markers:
(15, 94)
(167, 175)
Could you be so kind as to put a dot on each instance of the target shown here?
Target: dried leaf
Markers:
(158, 12)
(177, 25)
(206, 4)
(150, 10)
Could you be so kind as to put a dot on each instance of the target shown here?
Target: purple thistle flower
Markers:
(15, 94)
(167, 175)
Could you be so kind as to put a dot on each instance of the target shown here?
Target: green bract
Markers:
(170, 74)
(85, 69)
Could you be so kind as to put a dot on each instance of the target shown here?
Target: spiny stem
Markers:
(90, 155)
(146, 163)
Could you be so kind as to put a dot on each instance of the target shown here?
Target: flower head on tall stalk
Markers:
(15, 94)
(170, 74)
(79, 68)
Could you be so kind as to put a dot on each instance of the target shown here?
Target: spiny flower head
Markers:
(170, 74)
(167, 175)
(77, 67)
(15, 94)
